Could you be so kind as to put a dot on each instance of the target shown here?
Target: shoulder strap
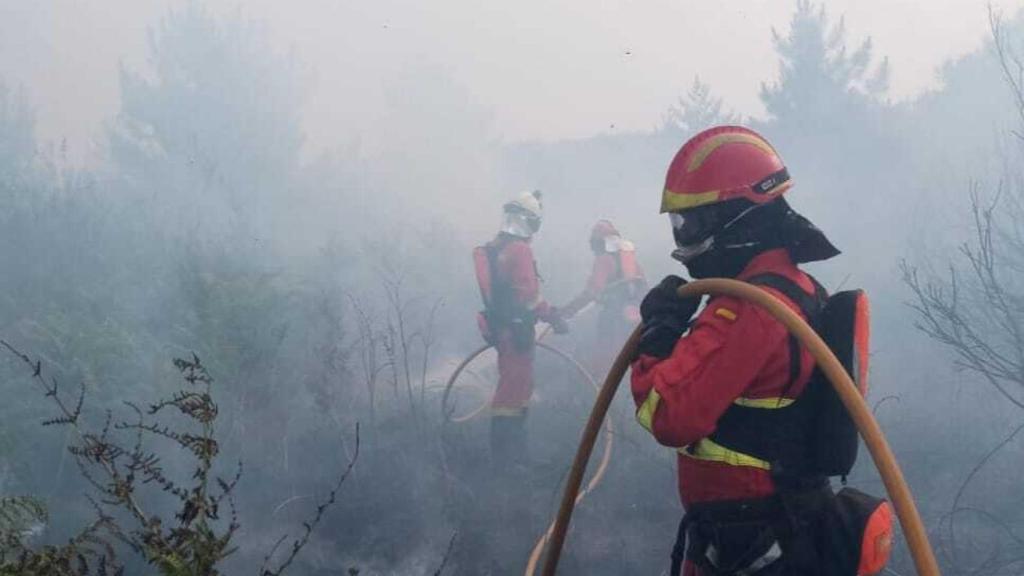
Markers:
(492, 249)
(810, 306)
(498, 287)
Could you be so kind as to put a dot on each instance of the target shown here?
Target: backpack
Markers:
(500, 310)
(814, 436)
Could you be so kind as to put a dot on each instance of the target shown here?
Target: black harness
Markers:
(741, 538)
(744, 537)
(503, 310)
(779, 436)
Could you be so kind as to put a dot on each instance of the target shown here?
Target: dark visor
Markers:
(698, 224)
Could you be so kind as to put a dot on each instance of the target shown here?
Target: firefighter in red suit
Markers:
(723, 193)
(616, 284)
(510, 287)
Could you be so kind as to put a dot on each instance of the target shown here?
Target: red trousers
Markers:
(515, 374)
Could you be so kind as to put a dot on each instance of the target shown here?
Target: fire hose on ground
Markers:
(449, 386)
(606, 456)
(895, 485)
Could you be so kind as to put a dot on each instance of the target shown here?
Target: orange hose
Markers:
(606, 456)
(885, 461)
(602, 468)
(445, 413)
(472, 356)
(586, 446)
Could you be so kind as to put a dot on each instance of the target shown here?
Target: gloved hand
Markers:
(661, 303)
(665, 317)
(557, 322)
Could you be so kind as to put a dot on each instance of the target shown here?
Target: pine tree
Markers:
(817, 70)
(697, 110)
(210, 130)
(17, 136)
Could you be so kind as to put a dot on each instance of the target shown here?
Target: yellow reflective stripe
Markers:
(707, 450)
(673, 201)
(507, 412)
(726, 313)
(767, 403)
(645, 414)
(714, 142)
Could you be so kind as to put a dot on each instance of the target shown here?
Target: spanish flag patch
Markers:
(726, 313)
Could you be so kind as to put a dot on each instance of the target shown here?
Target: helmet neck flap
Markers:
(749, 230)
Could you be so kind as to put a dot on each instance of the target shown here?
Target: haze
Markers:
(544, 69)
(289, 195)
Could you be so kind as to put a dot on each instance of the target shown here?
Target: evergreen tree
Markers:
(211, 130)
(828, 117)
(697, 110)
(17, 137)
(817, 70)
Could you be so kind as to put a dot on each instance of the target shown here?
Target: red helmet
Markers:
(724, 163)
(602, 230)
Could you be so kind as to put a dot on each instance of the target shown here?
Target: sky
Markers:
(542, 69)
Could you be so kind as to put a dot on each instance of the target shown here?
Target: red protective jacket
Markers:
(734, 352)
(516, 270)
(604, 271)
(616, 272)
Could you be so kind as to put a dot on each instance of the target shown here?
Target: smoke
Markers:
(293, 195)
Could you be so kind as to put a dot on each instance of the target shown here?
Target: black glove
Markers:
(557, 322)
(665, 317)
(662, 303)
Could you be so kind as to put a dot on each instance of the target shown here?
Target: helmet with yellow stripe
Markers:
(723, 193)
(721, 164)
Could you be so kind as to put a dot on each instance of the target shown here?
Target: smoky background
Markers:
(325, 285)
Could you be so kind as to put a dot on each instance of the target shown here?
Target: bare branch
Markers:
(447, 554)
(308, 527)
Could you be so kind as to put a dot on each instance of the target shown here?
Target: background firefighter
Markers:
(700, 383)
(510, 287)
(616, 284)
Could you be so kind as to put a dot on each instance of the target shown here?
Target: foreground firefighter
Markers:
(758, 432)
(510, 287)
(616, 284)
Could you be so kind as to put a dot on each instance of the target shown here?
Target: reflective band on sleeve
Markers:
(764, 403)
(645, 414)
(726, 313)
(707, 450)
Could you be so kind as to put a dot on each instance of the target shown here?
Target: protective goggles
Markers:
(694, 226)
(523, 215)
(694, 230)
(698, 224)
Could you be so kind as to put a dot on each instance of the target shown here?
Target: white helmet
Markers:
(523, 215)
